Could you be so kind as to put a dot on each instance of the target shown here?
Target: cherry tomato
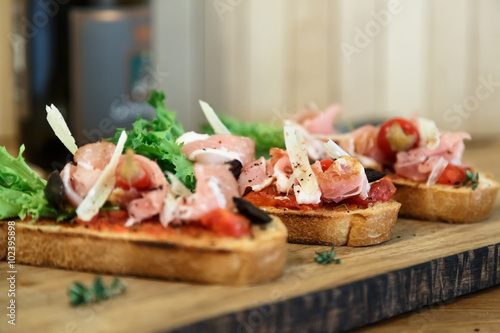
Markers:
(137, 177)
(226, 223)
(325, 164)
(452, 175)
(397, 134)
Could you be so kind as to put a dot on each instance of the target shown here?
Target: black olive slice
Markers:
(374, 175)
(235, 168)
(253, 213)
(54, 191)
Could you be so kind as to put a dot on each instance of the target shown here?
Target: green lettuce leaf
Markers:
(266, 136)
(21, 190)
(155, 139)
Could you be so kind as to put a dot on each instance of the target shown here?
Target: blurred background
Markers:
(257, 60)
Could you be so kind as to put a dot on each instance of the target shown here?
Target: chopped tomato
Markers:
(397, 134)
(267, 198)
(226, 223)
(134, 176)
(452, 175)
(380, 191)
(325, 164)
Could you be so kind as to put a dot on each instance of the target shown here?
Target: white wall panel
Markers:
(407, 60)
(450, 54)
(358, 61)
(261, 59)
(487, 117)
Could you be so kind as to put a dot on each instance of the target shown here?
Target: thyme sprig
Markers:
(80, 294)
(471, 179)
(326, 257)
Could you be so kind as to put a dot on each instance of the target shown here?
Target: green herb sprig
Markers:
(326, 257)
(80, 294)
(471, 179)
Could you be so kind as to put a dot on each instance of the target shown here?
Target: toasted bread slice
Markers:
(446, 203)
(336, 225)
(194, 256)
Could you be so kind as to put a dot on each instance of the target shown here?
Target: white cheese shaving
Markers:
(438, 169)
(213, 120)
(263, 185)
(60, 128)
(103, 187)
(333, 150)
(189, 137)
(308, 191)
(429, 133)
(177, 187)
(213, 156)
(169, 209)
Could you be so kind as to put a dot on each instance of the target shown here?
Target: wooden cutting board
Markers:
(424, 263)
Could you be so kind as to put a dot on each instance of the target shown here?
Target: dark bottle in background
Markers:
(85, 57)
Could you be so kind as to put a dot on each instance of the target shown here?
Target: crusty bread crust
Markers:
(338, 226)
(446, 203)
(205, 259)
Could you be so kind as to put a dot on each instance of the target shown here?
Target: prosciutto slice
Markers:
(344, 178)
(419, 163)
(256, 175)
(220, 148)
(362, 144)
(150, 202)
(90, 160)
(318, 122)
(215, 188)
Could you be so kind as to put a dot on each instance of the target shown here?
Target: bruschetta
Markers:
(114, 211)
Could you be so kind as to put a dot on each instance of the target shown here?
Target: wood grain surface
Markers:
(424, 263)
(476, 312)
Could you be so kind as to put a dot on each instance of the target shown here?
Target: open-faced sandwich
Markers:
(113, 210)
(433, 183)
(334, 200)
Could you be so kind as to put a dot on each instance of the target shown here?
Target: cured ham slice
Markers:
(150, 202)
(344, 178)
(215, 188)
(362, 144)
(256, 175)
(90, 160)
(220, 148)
(317, 122)
(419, 163)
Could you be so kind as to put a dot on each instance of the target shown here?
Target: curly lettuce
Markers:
(155, 139)
(21, 190)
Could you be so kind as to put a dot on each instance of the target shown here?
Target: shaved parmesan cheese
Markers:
(169, 209)
(177, 187)
(333, 150)
(263, 185)
(101, 190)
(308, 191)
(213, 120)
(438, 169)
(429, 133)
(213, 156)
(189, 137)
(60, 128)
